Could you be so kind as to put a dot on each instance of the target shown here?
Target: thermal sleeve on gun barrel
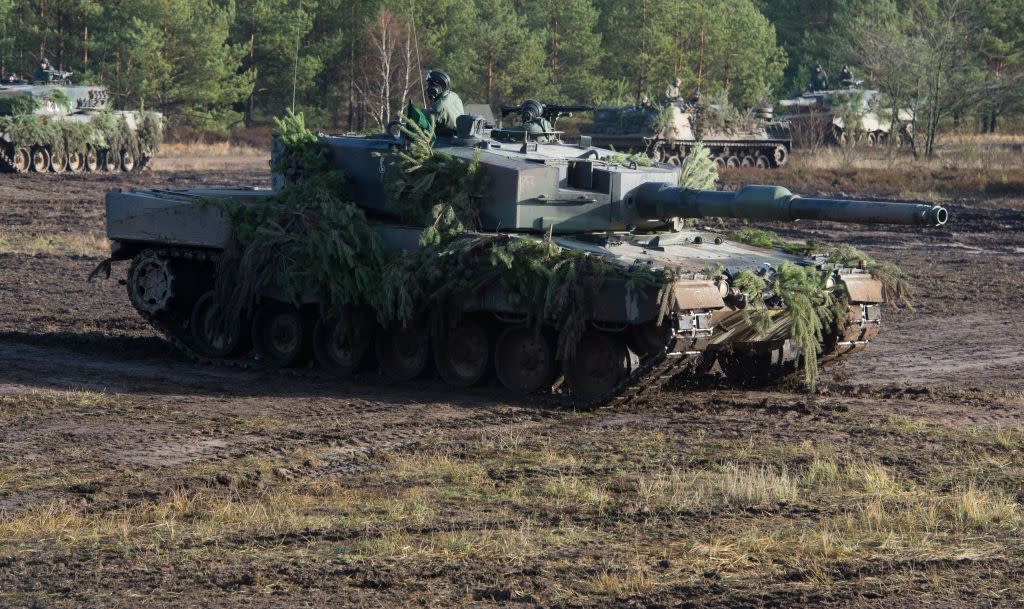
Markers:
(659, 201)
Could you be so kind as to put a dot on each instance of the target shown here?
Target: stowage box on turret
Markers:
(64, 127)
(627, 215)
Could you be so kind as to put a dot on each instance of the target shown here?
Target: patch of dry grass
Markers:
(54, 244)
(193, 148)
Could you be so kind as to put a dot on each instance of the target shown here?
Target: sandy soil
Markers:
(101, 415)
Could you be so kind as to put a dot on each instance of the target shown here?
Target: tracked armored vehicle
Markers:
(59, 128)
(572, 198)
(819, 118)
(668, 134)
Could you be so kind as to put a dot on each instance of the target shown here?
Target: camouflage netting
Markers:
(311, 235)
(23, 128)
(803, 291)
(718, 115)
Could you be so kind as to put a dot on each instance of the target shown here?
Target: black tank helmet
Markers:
(530, 110)
(438, 83)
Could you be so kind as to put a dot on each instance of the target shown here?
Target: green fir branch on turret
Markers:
(424, 177)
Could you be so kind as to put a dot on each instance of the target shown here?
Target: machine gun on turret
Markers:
(552, 112)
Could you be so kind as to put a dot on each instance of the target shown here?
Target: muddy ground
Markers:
(129, 476)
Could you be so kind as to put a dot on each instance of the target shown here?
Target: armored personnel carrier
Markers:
(63, 127)
(819, 118)
(649, 295)
(668, 134)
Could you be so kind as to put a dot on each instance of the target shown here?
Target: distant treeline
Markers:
(354, 63)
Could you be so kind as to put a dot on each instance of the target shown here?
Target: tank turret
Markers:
(666, 297)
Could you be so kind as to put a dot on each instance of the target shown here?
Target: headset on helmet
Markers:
(438, 83)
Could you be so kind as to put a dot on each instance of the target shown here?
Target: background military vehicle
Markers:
(629, 215)
(64, 127)
(668, 133)
(819, 117)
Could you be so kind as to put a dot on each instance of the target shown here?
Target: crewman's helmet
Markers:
(44, 63)
(438, 83)
(677, 81)
(531, 109)
(817, 67)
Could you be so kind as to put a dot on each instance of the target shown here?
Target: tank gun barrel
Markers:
(656, 201)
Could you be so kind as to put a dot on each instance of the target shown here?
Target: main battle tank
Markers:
(572, 197)
(819, 118)
(668, 134)
(64, 127)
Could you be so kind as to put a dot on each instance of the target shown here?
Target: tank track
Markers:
(648, 375)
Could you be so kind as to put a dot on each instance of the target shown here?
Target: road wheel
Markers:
(92, 159)
(58, 162)
(733, 161)
(403, 353)
(601, 364)
(524, 360)
(872, 139)
(127, 161)
(22, 160)
(748, 161)
(278, 335)
(463, 356)
(212, 335)
(719, 162)
(109, 161)
(338, 346)
(40, 159)
(76, 162)
(762, 162)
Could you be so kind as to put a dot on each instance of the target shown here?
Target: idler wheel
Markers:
(213, 335)
(524, 360)
(76, 162)
(150, 282)
(762, 162)
(92, 159)
(278, 335)
(463, 356)
(109, 161)
(337, 345)
(40, 159)
(601, 364)
(747, 161)
(127, 161)
(403, 353)
(733, 161)
(58, 162)
(22, 160)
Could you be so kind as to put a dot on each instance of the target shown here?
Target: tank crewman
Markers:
(846, 77)
(533, 121)
(819, 79)
(672, 90)
(445, 104)
(44, 72)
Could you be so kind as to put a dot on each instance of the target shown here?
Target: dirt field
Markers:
(129, 477)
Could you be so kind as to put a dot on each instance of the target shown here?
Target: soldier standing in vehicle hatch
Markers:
(672, 90)
(44, 72)
(819, 79)
(445, 104)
